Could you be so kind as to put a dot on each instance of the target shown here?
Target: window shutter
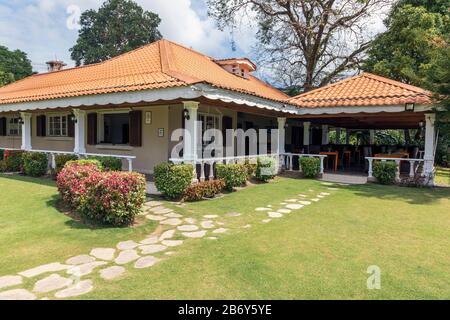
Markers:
(92, 129)
(70, 127)
(41, 126)
(136, 128)
(3, 126)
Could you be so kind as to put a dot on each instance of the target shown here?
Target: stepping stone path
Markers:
(190, 220)
(173, 215)
(211, 216)
(85, 269)
(172, 243)
(284, 211)
(212, 238)
(275, 215)
(190, 227)
(146, 262)
(80, 259)
(9, 281)
(52, 283)
(51, 267)
(197, 234)
(294, 206)
(150, 240)
(266, 220)
(291, 200)
(17, 294)
(152, 248)
(127, 245)
(161, 210)
(127, 256)
(155, 218)
(220, 230)
(112, 272)
(103, 253)
(172, 222)
(207, 224)
(305, 203)
(233, 214)
(77, 289)
(153, 204)
(263, 209)
(167, 235)
(315, 200)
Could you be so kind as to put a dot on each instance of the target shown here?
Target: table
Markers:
(334, 154)
(393, 155)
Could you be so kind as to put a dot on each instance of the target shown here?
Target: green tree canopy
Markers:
(117, 27)
(14, 65)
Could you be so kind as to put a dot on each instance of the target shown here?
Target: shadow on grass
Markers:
(417, 196)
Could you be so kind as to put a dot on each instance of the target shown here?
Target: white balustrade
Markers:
(288, 160)
(414, 165)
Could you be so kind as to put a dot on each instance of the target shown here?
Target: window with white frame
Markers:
(14, 127)
(209, 121)
(57, 126)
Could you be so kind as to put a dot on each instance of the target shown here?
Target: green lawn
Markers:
(443, 176)
(321, 251)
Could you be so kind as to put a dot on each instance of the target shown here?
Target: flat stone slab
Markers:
(81, 259)
(152, 248)
(325, 193)
(305, 203)
(152, 204)
(173, 215)
(188, 227)
(85, 269)
(9, 281)
(294, 206)
(247, 226)
(284, 211)
(210, 216)
(291, 200)
(220, 230)
(302, 195)
(146, 262)
(127, 245)
(103, 253)
(212, 238)
(266, 220)
(167, 235)
(172, 222)
(207, 224)
(233, 214)
(77, 289)
(155, 218)
(275, 215)
(112, 272)
(172, 243)
(17, 294)
(127, 256)
(190, 220)
(51, 267)
(198, 234)
(315, 200)
(150, 240)
(320, 196)
(52, 283)
(263, 209)
(160, 210)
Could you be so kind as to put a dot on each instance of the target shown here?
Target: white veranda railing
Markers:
(414, 166)
(287, 160)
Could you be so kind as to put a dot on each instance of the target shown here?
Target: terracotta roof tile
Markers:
(364, 90)
(162, 64)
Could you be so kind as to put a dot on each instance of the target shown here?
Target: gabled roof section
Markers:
(162, 64)
(363, 90)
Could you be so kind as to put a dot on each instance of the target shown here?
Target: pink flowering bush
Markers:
(113, 197)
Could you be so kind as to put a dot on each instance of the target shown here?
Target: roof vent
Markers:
(55, 65)
(241, 67)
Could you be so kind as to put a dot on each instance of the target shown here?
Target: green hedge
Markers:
(385, 171)
(83, 162)
(310, 167)
(109, 163)
(266, 168)
(234, 175)
(62, 159)
(35, 164)
(13, 161)
(172, 180)
(1, 154)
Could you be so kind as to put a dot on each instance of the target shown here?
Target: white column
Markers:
(80, 131)
(26, 130)
(372, 137)
(347, 136)
(191, 132)
(430, 137)
(325, 139)
(338, 135)
(306, 133)
(281, 135)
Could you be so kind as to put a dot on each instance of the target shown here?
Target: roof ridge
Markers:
(396, 83)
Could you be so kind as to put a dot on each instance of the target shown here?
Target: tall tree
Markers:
(406, 50)
(14, 65)
(117, 27)
(306, 43)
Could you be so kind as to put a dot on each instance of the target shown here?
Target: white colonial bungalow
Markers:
(129, 106)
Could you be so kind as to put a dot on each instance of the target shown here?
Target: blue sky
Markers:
(39, 27)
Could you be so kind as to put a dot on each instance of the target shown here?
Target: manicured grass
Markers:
(321, 251)
(443, 176)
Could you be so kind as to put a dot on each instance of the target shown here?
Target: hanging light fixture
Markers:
(421, 124)
(73, 118)
(20, 121)
(409, 107)
(186, 114)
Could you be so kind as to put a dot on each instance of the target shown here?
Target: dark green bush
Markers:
(251, 169)
(109, 163)
(266, 169)
(13, 160)
(3, 166)
(234, 175)
(83, 162)
(205, 189)
(310, 167)
(35, 164)
(385, 171)
(1, 154)
(172, 180)
(62, 159)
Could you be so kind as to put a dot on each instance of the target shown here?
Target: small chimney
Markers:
(55, 65)
(241, 67)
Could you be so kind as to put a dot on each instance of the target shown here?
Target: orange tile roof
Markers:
(162, 64)
(364, 90)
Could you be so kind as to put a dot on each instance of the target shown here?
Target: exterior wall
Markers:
(49, 143)
(14, 142)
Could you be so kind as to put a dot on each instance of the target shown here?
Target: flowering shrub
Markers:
(13, 160)
(113, 197)
(71, 181)
(35, 164)
(205, 189)
(234, 175)
(172, 180)
(83, 162)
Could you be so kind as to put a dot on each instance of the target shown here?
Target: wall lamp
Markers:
(186, 114)
(73, 118)
(20, 121)
(409, 107)
(421, 124)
